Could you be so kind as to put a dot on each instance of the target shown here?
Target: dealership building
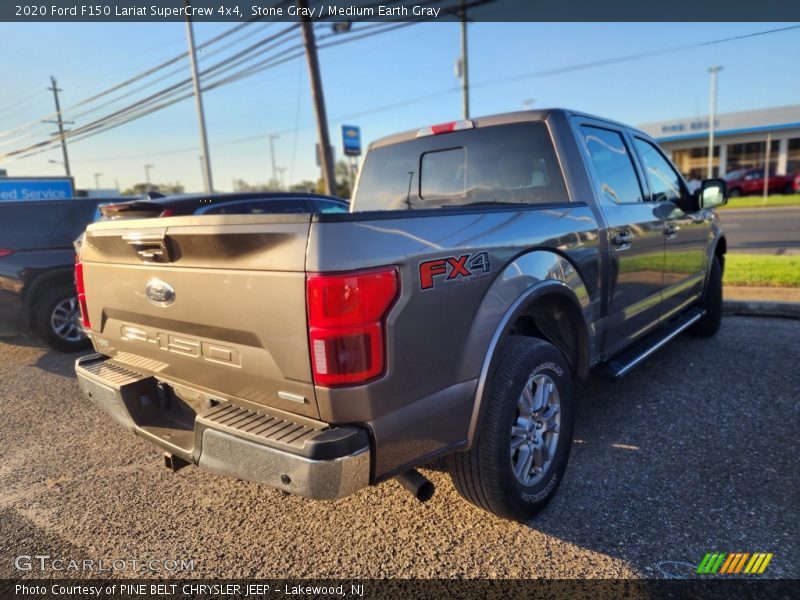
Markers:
(742, 140)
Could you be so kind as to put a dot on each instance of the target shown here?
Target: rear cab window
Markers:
(498, 164)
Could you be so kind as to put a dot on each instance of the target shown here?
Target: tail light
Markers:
(445, 128)
(5, 252)
(81, 294)
(346, 324)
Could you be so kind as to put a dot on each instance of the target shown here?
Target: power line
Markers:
(454, 89)
(133, 79)
(273, 61)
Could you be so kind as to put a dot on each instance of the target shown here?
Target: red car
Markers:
(751, 181)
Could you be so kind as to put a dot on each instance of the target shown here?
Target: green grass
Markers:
(758, 202)
(764, 270)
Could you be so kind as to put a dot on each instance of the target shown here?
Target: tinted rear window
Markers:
(56, 223)
(500, 164)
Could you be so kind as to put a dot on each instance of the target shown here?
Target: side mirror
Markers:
(712, 193)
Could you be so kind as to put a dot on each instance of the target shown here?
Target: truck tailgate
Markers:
(213, 302)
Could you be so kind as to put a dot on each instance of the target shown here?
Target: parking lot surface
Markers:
(694, 452)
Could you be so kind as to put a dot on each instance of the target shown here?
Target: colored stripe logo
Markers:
(732, 563)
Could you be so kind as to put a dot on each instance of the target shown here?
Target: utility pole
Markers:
(326, 156)
(97, 177)
(272, 138)
(464, 61)
(55, 89)
(766, 165)
(147, 175)
(207, 181)
(712, 109)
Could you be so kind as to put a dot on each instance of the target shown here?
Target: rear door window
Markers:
(613, 165)
(501, 164)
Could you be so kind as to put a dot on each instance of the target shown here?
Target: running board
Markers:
(628, 359)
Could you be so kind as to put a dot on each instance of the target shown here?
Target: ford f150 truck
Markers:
(483, 266)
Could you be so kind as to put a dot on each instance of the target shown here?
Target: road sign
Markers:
(351, 140)
(36, 188)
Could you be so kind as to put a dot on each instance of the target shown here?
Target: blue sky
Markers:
(375, 83)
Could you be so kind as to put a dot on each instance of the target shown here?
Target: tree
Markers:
(140, 189)
(343, 179)
(307, 186)
(240, 185)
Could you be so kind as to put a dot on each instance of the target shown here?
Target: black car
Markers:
(37, 261)
(224, 204)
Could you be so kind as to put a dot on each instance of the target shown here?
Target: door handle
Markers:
(622, 240)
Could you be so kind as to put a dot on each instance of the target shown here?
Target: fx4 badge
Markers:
(460, 269)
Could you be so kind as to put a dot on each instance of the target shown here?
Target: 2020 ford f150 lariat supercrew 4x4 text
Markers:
(484, 265)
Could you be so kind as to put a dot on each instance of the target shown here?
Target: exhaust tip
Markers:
(417, 485)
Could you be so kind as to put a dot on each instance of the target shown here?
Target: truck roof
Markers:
(520, 116)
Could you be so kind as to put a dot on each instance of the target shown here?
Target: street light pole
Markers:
(272, 138)
(147, 175)
(198, 97)
(712, 109)
(97, 180)
(464, 62)
(281, 171)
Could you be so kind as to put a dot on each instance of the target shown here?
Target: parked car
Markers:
(751, 181)
(37, 261)
(224, 204)
(485, 265)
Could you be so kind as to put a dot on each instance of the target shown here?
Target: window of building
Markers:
(752, 155)
(693, 162)
(793, 156)
(613, 165)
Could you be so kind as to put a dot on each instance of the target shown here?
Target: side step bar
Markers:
(624, 362)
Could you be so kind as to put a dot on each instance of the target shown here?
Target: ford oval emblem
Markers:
(159, 292)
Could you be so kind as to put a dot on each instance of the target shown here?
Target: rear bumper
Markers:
(300, 457)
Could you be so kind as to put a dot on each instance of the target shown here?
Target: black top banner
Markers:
(399, 10)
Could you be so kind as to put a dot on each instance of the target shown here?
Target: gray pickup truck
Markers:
(484, 265)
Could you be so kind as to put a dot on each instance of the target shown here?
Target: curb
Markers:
(788, 310)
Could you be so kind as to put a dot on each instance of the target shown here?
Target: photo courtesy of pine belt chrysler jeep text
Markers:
(484, 266)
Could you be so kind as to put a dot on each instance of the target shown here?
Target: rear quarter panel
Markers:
(438, 338)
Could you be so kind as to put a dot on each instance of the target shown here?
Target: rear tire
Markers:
(789, 189)
(56, 320)
(710, 322)
(519, 457)
(735, 193)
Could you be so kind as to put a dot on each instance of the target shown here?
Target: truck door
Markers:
(685, 234)
(635, 235)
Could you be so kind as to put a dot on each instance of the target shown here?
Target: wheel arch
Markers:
(38, 286)
(540, 294)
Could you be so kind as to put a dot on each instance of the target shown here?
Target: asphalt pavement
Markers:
(774, 230)
(693, 452)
